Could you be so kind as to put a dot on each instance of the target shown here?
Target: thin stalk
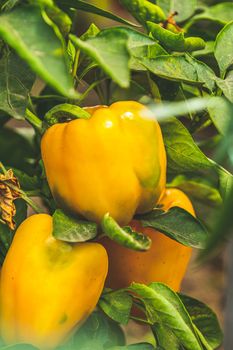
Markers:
(140, 320)
(49, 97)
(23, 195)
(76, 60)
(33, 120)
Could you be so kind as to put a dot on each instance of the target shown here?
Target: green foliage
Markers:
(124, 236)
(16, 81)
(47, 58)
(177, 224)
(73, 230)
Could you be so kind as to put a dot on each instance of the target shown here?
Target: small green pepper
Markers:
(144, 10)
(175, 42)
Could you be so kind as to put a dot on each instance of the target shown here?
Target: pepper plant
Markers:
(175, 58)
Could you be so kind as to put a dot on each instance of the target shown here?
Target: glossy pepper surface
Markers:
(48, 287)
(114, 162)
(166, 261)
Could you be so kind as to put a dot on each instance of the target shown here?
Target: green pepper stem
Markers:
(33, 120)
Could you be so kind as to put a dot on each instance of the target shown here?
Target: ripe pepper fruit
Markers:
(113, 162)
(48, 287)
(165, 262)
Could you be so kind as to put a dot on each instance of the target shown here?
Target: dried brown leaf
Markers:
(9, 191)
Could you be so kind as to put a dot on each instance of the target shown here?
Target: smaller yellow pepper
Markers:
(48, 288)
(166, 261)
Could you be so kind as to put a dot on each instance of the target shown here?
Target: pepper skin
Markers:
(114, 162)
(48, 287)
(165, 262)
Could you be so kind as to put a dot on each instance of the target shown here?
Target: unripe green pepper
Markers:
(144, 10)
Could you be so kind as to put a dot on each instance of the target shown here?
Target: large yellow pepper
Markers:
(48, 287)
(114, 162)
(166, 261)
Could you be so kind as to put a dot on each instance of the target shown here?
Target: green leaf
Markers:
(165, 337)
(223, 225)
(69, 229)
(16, 150)
(226, 85)
(47, 57)
(220, 13)
(16, 81)
(205, 320)
(7, 235)
(97, 333)
(185, 9)
(124, 236)
(116, 305)
(220, 111)
(177, 224)
(135, 39)
(113, 59)
(225, 181)
(91, 32)
(27, 183)
(224, 48)
(164, 306)
(198, 188)
(65, 112)
(87, 7)
(181, 68)
(173, 41)
(182, 152)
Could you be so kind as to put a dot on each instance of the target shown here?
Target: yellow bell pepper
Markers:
(48, 287)
(114, 162)
(166, 261)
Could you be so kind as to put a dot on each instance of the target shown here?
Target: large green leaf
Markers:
(185, 9)
(224, 48)
(164, 306)
(87, 7)
(182, 152)
(112, 58)
(16, 80)
(181, 68)
(25, 29)
(205, 320)
(177, 224)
